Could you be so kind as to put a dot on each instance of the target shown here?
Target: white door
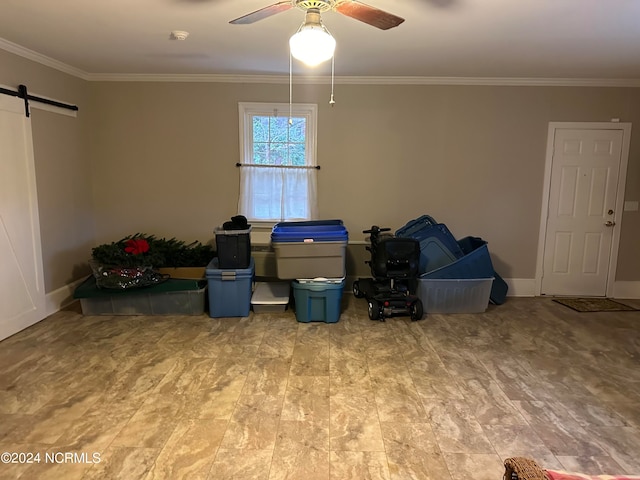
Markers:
(22, 297)
(582, 211)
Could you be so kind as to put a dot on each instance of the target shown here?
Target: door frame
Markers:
(622, 176)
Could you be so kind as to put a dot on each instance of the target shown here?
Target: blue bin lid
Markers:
(318, 285)
(309, 223)
(309, 232)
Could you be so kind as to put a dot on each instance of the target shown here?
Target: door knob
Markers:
(609, 223)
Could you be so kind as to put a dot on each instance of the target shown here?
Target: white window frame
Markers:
(247, 110)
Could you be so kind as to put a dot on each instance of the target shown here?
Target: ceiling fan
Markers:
(351, 8)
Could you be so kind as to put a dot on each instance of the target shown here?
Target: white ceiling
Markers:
(529, 39)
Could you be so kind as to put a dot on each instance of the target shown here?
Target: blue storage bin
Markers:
(499, 289)
(311, 223)
(476, 263)
(318, 300)
(438, 247)
(434, 254)
(310, 249)
(416, 225)
(469, 244)
(313, 231)
(229, 290)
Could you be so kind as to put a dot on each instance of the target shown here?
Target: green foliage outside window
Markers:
(275, 142)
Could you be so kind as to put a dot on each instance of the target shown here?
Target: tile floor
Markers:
(265, 397)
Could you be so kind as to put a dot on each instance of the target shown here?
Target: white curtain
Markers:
(278, 194)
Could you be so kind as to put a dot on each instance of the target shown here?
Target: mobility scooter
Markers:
(394, 268)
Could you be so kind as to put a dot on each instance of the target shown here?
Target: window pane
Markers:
(279, 129)
(297, 154)
(278, 154)
(260, 153)
(298, 130)
(260, 129)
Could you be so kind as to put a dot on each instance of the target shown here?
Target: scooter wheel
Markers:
(416, 310)
(356, 290)
(374, 310)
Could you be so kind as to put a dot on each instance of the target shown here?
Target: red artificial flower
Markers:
(136, 246)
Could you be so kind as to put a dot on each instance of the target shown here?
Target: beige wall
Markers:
(471, 156)
(62, 169)
(160, 158)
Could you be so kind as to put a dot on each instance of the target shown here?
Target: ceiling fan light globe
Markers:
(312, 45)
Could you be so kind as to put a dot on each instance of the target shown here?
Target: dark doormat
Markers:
(594, 305)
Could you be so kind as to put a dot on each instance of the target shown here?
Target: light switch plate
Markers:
(631, 206)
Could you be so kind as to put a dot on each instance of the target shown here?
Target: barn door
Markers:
(22, 296)
(583, 211)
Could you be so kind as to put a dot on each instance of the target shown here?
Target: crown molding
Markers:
(304, 79)
(375, 80)
(194, 78)
(41, 59)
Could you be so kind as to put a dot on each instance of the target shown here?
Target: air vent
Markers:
(178, 35)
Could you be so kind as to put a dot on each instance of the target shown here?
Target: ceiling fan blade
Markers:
(367, 14)
(263, 13)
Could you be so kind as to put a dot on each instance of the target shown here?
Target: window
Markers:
(277, 153)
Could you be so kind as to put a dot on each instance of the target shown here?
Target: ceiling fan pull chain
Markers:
(332, 102)
(290, 90)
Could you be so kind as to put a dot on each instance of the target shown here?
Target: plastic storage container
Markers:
(313, 231)
(229, 290)
(450, 295)
(476, 263)
(270, 297)
(415, 226)
(435, 254)
(318, 300)
(310, 260)
(310, 249)
(233, 247)
(438, 247)
(173, 297)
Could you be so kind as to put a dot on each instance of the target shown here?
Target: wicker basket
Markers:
(521, 468)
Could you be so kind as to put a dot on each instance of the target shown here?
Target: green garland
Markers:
(160, 253)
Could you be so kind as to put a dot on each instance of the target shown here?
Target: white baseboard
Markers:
(526, 287)
(521, 287)
(630, 289)
(60, 298)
